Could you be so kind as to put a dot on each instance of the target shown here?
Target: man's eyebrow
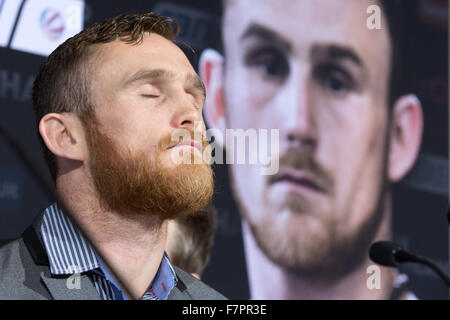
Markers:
(258, 31)
(148, 74)
(152, 74)
(336, 52)
(196, 82)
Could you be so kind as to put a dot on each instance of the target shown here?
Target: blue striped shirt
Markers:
(70, 253)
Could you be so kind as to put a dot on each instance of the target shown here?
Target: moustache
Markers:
(301, 160)
(170, 139)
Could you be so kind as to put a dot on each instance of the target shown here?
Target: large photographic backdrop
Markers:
(270, 54)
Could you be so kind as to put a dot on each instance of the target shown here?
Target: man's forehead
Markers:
(152, 44)
(120, 59)
(303, 24)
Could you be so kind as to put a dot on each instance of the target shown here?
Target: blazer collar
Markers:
(73, 287)
(70, 287)
(58, 285)
(33, 241)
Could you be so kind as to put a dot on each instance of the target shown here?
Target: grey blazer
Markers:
(25, 275)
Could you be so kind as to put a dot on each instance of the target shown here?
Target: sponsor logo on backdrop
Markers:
(15, 86)
(9, 10)
(39, 26)
(52, 23)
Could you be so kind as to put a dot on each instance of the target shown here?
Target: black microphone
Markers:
(389, 254)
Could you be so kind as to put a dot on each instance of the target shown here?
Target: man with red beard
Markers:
(108, 102)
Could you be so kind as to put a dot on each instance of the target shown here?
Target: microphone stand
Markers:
(405, 256)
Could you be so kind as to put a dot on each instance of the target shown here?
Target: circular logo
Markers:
(52, 23)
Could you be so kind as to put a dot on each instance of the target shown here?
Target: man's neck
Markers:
(268, 280)
(132, 247)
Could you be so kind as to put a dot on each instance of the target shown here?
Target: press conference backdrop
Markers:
(31, 29)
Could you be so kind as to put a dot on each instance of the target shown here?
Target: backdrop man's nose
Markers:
(298, 126)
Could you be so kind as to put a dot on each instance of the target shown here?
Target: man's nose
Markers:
(187, 114)
(298, 128)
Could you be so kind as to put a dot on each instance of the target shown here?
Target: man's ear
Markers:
(211, 72)
(63, 135)
(405, 136)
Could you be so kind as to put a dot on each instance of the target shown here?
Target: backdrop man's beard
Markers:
(301, 237)
(139, 183)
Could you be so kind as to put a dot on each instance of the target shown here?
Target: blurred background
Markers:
(31, 29)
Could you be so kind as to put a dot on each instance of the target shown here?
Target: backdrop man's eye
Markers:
(335, 83)
(270, 62)
(334, 79)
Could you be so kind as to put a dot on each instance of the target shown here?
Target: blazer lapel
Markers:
(75, 287)
(177, 294)
(60, 287)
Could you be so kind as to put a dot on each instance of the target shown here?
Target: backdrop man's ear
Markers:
(405, 136)
(211, 68)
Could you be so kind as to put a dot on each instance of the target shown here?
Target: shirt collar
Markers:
(67, 250)
(165, 280)
(69, 253)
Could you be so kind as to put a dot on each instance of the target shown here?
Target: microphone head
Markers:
(383, 253)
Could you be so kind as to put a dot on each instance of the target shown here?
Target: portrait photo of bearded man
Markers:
(347, 131)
